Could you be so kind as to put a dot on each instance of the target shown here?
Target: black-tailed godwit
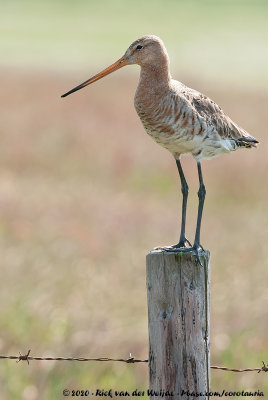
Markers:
(180, 119)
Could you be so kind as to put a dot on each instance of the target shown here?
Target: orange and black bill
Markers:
(118, 64)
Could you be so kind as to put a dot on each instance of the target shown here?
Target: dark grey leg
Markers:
(184, 189)
(201, 194)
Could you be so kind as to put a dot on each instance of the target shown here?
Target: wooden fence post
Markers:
(178, 316)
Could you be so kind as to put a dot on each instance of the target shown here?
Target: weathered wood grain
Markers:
(178, 316)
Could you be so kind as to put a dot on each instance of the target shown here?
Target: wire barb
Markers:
(131, 359)
(24, 358)
(263, 368)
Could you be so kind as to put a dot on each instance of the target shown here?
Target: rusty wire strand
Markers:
(129, 360)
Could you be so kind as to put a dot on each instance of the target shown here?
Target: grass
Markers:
(85, 193)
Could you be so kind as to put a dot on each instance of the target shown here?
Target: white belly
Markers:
(207, 146)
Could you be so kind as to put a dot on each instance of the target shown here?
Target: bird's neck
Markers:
(153, 84)
(154, 77)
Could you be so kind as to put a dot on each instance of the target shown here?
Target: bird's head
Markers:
(145, 51)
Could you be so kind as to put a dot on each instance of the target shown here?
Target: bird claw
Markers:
(198, 255)
(182, 244)
(174, 249)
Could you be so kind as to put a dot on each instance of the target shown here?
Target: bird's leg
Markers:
(184, 189)
(201, 195)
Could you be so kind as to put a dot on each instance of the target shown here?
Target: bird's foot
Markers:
(182, 244)
(173, 247)
(196, 249)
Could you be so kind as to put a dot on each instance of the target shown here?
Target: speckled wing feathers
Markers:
(185, 121)
(214, 116)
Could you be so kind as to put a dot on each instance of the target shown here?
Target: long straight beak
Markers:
(118, 64)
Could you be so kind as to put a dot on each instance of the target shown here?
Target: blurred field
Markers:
(228, 36)
(84, 193)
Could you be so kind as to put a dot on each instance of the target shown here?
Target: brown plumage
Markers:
(180, 119)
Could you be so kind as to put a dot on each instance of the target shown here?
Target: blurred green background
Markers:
(85, 193)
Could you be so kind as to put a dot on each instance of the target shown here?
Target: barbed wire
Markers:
(129, 360)
(264, 368)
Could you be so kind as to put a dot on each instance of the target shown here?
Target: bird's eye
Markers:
(139, 47)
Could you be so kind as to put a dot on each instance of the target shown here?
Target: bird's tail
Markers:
(248, 141)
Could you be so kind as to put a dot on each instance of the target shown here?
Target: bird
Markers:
(180, 119)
